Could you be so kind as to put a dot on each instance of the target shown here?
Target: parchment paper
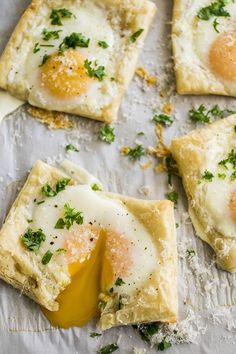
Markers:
(207, 296)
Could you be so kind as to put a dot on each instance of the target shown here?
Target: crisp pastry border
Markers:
(141, 13)
(192, 78)
(23, 269)
(189, 151)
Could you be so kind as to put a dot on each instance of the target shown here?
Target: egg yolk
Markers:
(64, 76)
(222, 56)
(232, 205)
(94, 266)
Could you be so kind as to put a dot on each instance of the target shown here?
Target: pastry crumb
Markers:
(124, 150)
(146, 165)
(53, 119)
(167, 108)
(143, 74)
(160, 168)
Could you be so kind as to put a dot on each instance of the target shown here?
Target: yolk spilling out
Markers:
(64, 75)
(222, 56)
(94, 265)
(232, 205)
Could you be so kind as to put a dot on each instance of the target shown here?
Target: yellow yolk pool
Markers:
(64, 76)
(95, 271)
(222, 56)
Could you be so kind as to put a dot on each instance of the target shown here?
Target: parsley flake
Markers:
(33, 239)
(190, 254)
(164, 345)
(36, 48)
(71, 216)
(102, 304)
(103, 44)
(216, 8)
(71, 147)
(45, 58)
(47, 35)
(95, 187)
(47, 257)
(119, 282)
(48, 191)
(171, 168)
(199, 115)
(136, 34)
(162, 119)
(136, 153)
(106, 133)
(208, 176)
(98, 72)
(146, 331)
(215, 25)
(108, 349)
(73, 41)
(57, 16)
(221, 175)
(95, 334)
(173, 197)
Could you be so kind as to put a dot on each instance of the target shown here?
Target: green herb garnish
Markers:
(36, 48)
(216, 8)
(47, 257)
(108, 349)
(215, 25)
(33, 239)
(173, 197)
(171, 167)
(136, 153)
(41, 202)
(136, 34)
(146, 331)
(57, 16)
(103, 44)
(221, 175)
(106, 133)
(48, 191)
(47, 35)
(71, 147)
(102, 304)
(208, 176)
(164, 345)
(71, 216)
(45, 58)
(190, 254)
(60, 251)
(119, 282)
(162, 119)
(95, 187)
(98, 72)
(95, 334)
(73, 41)
(199, 115)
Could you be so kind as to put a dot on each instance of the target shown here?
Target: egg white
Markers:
(108, 213)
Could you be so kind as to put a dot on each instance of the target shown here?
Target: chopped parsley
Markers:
(36, 48)
(140, 133)
(106, 133)
(190, 254)
(231, 159)
(95, 187)
(235, 128)
(120, 302)
(215, 25)
(57, 16)
(216, 8)
(60, 251)
(208, 176)
(41, 202)
(33, 239)
(171, 167)
(136, 34)
(48, 191)
(146, 331)
(95, 334)
(47, 35)
(136, 153)
(73, 41)
(201, 114)
(162, 119)
(102, 304)
(119, 282)
(71, 147)
(103, 44)
(45, 58)
(173, 197)
(108, 349)
(164, 345)
(221, 175)
(71, 216)
(98, 72)
(47, 257)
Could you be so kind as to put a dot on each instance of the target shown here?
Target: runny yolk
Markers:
(93, 272)
(64, 76)
(232, 205)
(222, 56)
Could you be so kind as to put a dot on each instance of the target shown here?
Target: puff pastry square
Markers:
(79, 60)
(205, 159)
(155, 298)
(203, 46)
